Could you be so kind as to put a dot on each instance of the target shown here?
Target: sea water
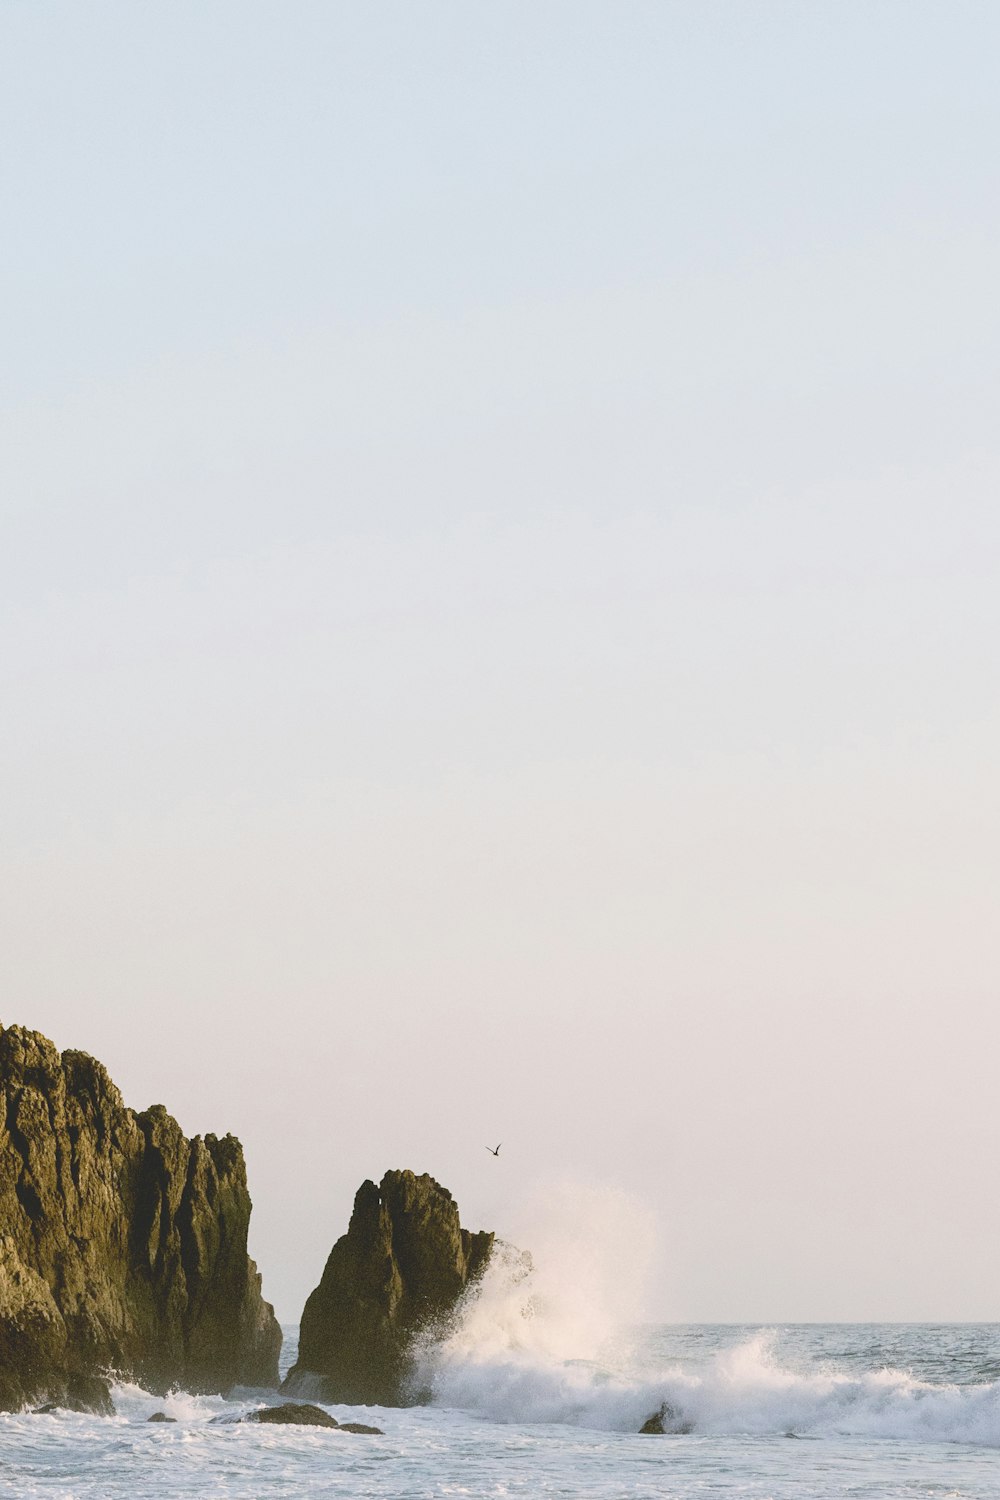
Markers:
(804, 1411)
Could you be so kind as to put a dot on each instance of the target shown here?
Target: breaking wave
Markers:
(539, 1339)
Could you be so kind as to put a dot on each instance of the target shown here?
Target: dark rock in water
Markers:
(83, 1393)
(122, 1243)
(304, 1414)
(401, 1268)
(666, 1420)
(160, 1416)
(299, 1414)
(89, 1393)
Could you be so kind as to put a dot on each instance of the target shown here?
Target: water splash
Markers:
(542, 1330)
(550, 1337)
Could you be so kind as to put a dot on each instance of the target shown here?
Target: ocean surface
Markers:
(805, 1411)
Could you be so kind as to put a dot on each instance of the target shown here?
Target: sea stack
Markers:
(398, 1271)
(123, 1245)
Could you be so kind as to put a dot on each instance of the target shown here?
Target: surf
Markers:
(555, 1336)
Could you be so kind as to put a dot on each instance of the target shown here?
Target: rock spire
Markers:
(400, 1268)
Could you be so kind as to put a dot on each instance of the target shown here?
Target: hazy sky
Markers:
(500, 613)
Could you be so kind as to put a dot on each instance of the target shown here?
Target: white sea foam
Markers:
(536, 1391)
(745, 1390)
(135, 1404)
(538, 1340)
(748, 1390)
(873, 1430)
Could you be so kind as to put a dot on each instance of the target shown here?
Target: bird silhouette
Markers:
(496, 1152)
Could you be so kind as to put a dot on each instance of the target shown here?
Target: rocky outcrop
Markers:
(666, 1420)
(304, 1414)
(123, 1245)
(398, 1271)
(293, 1414)
(79, 1392)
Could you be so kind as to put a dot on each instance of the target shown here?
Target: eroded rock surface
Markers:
(305, 1414)
(399, 1270)
(123, 1245)
(293, 1413)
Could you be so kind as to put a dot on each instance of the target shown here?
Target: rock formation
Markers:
(399, 1270)
(304, 1414)
(123, 1245)
(295, 1414)
(665, 1420)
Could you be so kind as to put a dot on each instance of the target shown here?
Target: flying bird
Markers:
(496, 1152)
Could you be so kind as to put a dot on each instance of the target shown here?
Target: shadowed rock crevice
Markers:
(123, 1245)
(398, 1271)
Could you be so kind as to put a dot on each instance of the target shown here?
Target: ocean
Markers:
(810, 1411)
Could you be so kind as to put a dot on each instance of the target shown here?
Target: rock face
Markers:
(82, 1393)
(123, 1245)
(400, 1268)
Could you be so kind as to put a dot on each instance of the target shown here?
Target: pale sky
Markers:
(500, 614)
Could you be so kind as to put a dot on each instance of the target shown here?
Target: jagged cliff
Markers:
(123, 1245)
(402, 1265)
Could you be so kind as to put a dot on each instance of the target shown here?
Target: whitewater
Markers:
(807, 1411)
(538, 1386)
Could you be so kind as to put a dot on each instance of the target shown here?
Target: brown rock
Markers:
(666, 1420)
(293, 1413)
(399, 1270)
(122, 1243)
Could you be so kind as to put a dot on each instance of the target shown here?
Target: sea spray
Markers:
(749, 1389)
(549, 1335)
(547, 1325)
(908, 1411)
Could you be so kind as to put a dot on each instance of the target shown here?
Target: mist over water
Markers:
(542, 1325)
(575, 1271)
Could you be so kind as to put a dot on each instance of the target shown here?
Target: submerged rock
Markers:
(400, 1269)
(123, 1245)
(160, 1416)
(295, 1413)
(666, 1420)
(304, 1414)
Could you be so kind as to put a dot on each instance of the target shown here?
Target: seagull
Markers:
(496, 1152)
